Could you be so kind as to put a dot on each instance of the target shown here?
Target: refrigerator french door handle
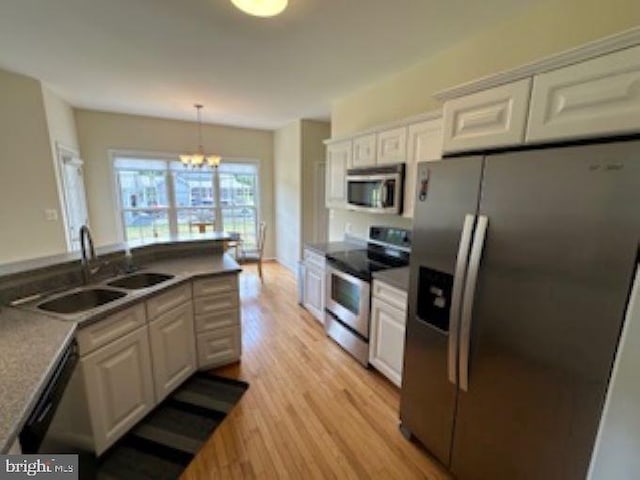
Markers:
(456, 296)
(467, 302)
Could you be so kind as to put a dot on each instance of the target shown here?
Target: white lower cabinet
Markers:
(386, 341)
(314, 291)
(217, 321)
(173, 349)
(129, 362)
(314, 284)
(119, 387)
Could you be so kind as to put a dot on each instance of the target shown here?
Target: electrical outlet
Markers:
(348, 227)
(51, 214)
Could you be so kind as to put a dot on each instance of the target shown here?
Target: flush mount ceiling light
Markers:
(199, 159)
(261, 8)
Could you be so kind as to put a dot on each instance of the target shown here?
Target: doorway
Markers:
(74, 199)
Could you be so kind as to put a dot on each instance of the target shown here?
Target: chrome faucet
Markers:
(87, 257)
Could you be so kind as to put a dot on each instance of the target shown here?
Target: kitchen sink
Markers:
(81, 301)
(140, 280)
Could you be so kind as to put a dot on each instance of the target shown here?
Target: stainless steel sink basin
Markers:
(140, 280)
(81, 301)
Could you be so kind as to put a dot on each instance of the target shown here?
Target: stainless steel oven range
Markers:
(348, 289)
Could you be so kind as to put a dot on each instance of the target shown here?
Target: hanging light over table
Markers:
(199, 158)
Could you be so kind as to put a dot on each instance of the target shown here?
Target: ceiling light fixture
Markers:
(199, 159)
(261, 8)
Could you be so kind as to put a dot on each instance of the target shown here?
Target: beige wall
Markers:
(313, 153)
(287, 191)
(27, 178)
(98, 132)
(550, 26)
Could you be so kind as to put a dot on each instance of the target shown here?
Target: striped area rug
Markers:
(165, 441)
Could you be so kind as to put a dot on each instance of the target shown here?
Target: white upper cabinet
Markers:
(364, 151)
(596, 97)
(424, 144)
(338, 161)
(491, 118)
(392, 146)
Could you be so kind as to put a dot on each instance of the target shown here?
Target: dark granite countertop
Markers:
(334, 247)
(31, 341)
(396, 277)
(30, 346)
(74, 257)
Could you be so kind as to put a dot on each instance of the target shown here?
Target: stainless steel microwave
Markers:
(376, 189)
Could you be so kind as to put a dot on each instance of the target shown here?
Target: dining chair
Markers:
(255, 255)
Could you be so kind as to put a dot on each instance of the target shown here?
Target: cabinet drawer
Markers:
(593, 98)
(114, 326)
(215, 285)
(218, 347)
(314, 259)
(214, 320)
(492, 118)
(393, 296)
(168, 300)
(216, 303)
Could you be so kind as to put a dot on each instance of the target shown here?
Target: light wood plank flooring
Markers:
(311, 410)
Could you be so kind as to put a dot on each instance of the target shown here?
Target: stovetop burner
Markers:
(363, 263)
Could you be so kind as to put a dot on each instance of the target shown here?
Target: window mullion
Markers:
(172, 207)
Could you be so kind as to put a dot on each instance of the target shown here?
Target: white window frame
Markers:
(171, 210)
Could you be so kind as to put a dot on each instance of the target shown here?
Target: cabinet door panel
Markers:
(173, 349)
(386, 349)
(314, 292)
(424, 144)
(338, 161)
(119, 386)
(392, 146)
(492, 118)
(596, 97)
(364, 151)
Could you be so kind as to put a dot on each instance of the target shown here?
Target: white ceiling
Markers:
(159, 57)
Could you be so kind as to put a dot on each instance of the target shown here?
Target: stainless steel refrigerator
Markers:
(521, 268)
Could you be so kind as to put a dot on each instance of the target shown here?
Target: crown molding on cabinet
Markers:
(422, 117)
(625, 39)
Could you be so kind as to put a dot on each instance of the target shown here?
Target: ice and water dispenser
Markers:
(434, 297)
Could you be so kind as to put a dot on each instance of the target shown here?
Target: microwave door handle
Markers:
(467, 301)
(383, 192)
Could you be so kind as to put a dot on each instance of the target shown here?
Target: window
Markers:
(159, 198)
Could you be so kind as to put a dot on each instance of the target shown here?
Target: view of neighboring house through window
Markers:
(159, 198)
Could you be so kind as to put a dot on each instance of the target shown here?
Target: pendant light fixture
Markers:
(261, 8)
(199, 159)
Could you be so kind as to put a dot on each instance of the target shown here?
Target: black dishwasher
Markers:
(38, 422)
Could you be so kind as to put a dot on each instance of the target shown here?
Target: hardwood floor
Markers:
(311, 411)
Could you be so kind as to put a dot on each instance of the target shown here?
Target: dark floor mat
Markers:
(162, 445)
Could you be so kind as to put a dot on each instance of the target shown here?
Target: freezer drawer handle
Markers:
(456, 296)
(469, 295)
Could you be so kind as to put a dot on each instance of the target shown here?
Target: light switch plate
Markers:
(51, 214)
